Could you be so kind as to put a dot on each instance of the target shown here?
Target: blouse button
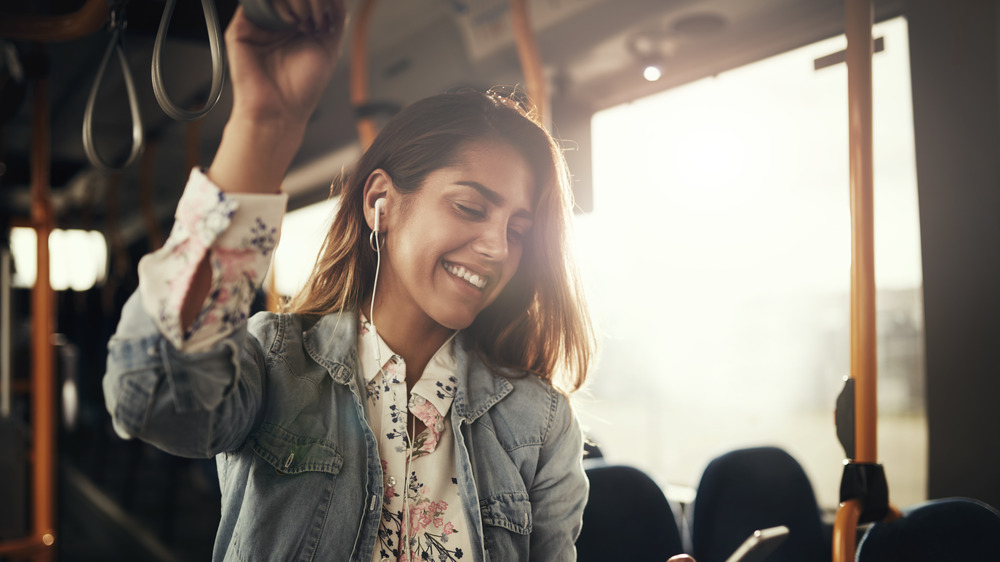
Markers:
(439, 426)
(392, 480)
(419, 400)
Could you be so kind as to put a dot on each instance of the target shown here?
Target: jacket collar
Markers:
(479, 387)
(333, 341)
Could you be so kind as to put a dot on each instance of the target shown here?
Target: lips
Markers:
(469, 277)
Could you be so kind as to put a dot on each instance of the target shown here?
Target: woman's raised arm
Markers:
(278, 78)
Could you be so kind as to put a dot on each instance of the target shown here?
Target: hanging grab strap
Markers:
(218, 63)
(117, 24)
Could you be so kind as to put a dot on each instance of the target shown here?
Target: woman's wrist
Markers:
(255, 153)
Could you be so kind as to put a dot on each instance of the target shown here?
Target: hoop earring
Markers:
(373, 241)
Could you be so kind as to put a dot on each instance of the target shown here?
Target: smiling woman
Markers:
(441, 432)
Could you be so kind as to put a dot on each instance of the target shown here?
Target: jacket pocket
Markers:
(508, 511)
(294, 454)
(506, 526)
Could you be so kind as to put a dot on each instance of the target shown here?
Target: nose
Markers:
(491, 241)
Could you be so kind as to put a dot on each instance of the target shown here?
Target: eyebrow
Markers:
(494, 197)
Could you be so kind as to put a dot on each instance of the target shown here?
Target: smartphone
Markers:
(759, 545)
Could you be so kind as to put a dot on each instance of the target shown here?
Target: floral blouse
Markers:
(422, 516)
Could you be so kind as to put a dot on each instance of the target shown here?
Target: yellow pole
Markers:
(858, 28)
(863, 341)
(531, 60)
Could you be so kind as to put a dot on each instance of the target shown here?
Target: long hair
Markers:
(540, 322)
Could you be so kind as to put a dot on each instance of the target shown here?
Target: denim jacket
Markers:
(279, 404)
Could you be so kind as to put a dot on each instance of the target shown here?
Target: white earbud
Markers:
(379, 208)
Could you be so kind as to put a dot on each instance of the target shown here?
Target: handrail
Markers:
(42, 328)
(5, 339)
(863, 337)
(844, 531)
(114, 46)
(359, 74)
(263, 15)
(218, 63)
(859, 16)
(531, 60)
(43, 325)
(29, 27)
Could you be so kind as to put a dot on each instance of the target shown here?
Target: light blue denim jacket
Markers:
(279, 404)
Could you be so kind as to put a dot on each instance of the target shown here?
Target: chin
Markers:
(455, 319)
(456, 323)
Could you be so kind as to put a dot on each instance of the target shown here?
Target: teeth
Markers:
(471, 278)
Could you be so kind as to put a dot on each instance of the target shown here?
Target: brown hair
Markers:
(540, 322)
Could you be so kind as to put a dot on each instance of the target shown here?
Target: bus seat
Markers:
(939, 530)
(627, 518)
(749, 489)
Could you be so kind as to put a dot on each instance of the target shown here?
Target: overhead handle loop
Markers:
(89, 147)
(218, 63)
(263, 15)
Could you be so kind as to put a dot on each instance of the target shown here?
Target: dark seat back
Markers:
(749, 489)
(939, 530)
(627, 518)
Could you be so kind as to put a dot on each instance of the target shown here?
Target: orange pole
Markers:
(531, 60)
(859, 17)
(42, 328)
(28, 27)
(863, 341)
(359, 73)
(845, 530)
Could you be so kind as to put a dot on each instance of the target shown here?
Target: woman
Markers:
(411, 406)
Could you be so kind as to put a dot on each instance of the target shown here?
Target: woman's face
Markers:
(456, 242)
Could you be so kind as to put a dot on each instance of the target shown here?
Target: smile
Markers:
(462, 273)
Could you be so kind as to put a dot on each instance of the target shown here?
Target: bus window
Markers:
(718, 256)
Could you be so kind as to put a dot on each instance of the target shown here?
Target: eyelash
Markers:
(470, 212)
(476, 214)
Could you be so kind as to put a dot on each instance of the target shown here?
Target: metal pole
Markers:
(42, 328)
(29, 27)
(359, 74)
(5, 337)
(863, 337)
(531, 60)
(858, 28)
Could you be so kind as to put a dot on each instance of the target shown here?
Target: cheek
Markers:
(514, 264)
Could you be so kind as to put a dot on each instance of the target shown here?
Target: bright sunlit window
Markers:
(302, 233)
(78, 259)
(718, 259)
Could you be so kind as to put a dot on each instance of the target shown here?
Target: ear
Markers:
(377, 187)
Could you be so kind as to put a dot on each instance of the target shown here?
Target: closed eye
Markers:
(516, 236)
(470, 212)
